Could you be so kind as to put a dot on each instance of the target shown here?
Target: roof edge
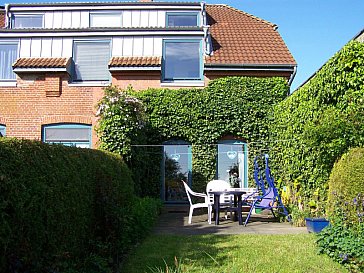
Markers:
(274, 26)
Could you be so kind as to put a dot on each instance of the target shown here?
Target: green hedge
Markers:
(64, 208)
(346, 183)
(238, 106)
(317, 124)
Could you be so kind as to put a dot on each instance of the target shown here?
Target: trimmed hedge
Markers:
(237, 106)
(66, 209)
(317, 124)
(347, 183)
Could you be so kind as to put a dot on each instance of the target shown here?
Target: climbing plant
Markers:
(317, 124)
(238, 106)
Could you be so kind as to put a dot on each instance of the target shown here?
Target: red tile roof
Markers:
(41, 63)
(135, 61)
(2, 18)
(241, 38)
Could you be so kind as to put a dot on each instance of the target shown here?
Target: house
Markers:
(56, 58)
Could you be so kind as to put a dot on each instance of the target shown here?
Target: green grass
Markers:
(229, 254)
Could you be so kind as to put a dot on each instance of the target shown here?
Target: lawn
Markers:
(230, 254)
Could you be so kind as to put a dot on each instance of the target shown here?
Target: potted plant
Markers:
(317, 221)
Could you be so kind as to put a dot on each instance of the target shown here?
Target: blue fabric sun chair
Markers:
(269, 198)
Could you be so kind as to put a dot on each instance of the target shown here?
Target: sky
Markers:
(314, 30)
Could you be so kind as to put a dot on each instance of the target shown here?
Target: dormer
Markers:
(106, 15)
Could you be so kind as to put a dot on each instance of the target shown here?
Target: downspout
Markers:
(293, 75)
(7, 16)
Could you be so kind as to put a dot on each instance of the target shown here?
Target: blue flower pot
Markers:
(316, 224)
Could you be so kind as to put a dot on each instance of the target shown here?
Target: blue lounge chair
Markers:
(270, 198)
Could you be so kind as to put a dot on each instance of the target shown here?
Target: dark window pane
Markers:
(182, 20)
(182, 60)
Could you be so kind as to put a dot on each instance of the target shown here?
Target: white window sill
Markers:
(183, 84)
(7, 84)
(90, 83)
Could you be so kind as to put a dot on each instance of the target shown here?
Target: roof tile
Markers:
(41, 63)
(241, 38)
(152, 61)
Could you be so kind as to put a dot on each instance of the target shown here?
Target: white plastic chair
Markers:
(226, 200)
(207, 204)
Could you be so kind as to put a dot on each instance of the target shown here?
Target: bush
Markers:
(346, 182)
(63, 208)
(317, 124)
(343, 240)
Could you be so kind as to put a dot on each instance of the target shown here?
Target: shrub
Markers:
(343, 240)
(64, 209)
(346, 182)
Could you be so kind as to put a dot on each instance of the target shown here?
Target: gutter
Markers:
(270, 67)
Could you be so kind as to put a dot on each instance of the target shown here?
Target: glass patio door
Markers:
(176, 166)
(232, 164)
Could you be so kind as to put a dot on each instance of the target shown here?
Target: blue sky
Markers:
(312, 29)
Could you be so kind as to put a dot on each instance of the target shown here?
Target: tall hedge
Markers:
(239, 106)
(318, 123)
(64, 208)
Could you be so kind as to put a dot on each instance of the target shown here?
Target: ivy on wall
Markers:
(237, 106)
(318, 123)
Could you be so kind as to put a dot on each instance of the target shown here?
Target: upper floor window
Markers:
(91, 59)
(78, 135)
(8, 55)
(2, 130)
(105, 19)
(27, 21)
(182, 19)
(182, 60)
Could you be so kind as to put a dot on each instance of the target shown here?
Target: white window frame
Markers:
(2, 130)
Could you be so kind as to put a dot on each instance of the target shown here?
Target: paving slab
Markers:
(174, 220)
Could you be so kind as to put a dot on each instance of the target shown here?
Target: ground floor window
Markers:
(232, 163)
(2, 130)
(176, 166)
(78, 135)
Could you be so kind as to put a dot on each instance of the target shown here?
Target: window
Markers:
(182, 60)
(232, 164)
(91, 60)
(182, 19)
(105, 19)
(8, 55)
(78, 135)
(176, 166)
(2, 130)
(28, 21)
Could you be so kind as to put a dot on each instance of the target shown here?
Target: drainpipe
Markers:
(7, 16)
(293, 75)
(291, 79)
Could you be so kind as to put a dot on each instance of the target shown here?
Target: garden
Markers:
(65, 209)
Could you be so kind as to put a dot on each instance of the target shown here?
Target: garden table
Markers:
(237, 192)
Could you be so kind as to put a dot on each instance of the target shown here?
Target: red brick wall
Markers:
(2, 18)
(139, 80)
(25, 108)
